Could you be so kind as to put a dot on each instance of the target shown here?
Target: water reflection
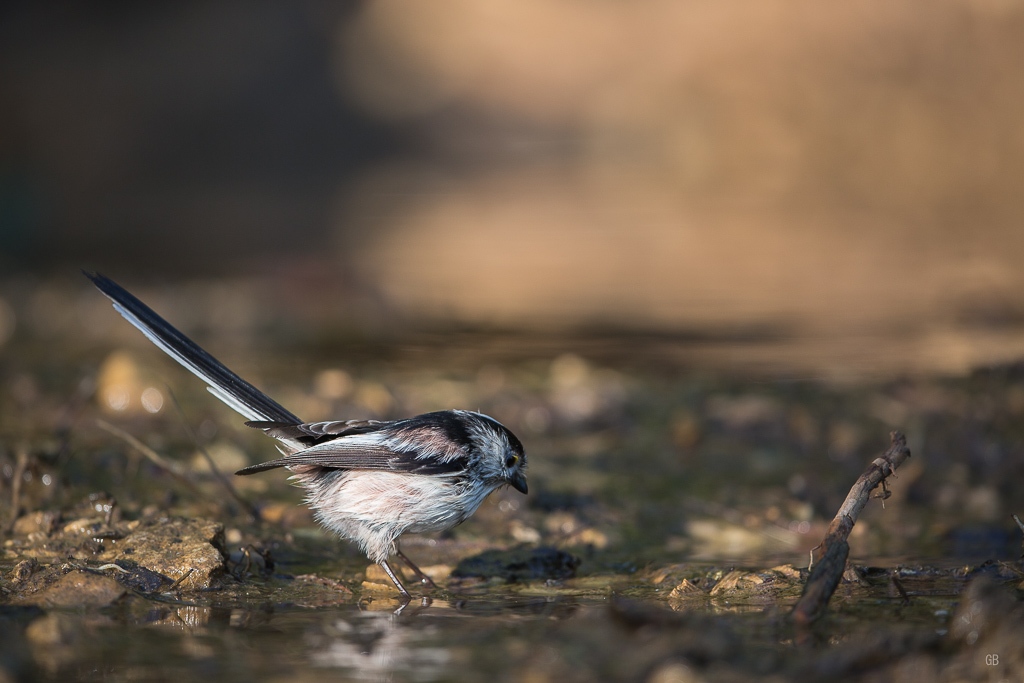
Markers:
(424, 640)
(374, 644)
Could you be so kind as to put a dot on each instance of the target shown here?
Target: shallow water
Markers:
(496, 634)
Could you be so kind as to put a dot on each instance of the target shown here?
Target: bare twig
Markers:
(894, 579)
(19, 473)
(1021, 525)
(174, 586)
(69, 417)
(252, 509)
(163, 463)
(826, 574)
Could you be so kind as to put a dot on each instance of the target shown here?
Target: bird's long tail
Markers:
(222, 383)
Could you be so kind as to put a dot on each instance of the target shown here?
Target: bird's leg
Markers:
(394, 578)
(424, 579)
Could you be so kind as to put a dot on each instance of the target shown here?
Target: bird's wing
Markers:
(364, 451)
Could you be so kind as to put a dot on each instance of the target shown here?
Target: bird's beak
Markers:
(518, 482)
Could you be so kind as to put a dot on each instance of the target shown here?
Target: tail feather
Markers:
(243, 397)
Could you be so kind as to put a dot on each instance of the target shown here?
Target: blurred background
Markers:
(702, 257)
(791, 186)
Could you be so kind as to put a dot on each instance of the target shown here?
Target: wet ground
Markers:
(665, 538)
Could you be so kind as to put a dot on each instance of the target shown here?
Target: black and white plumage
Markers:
(369, 481)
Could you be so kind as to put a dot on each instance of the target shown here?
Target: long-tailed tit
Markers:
(369, 481)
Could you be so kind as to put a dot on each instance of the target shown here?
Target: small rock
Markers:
(437, 572)
(737, 579)
(24, 569)
(788, 571)
(76, 588)
(376, 574)
(374, 587)
(174, 547)
(685, 588)
(42, 522)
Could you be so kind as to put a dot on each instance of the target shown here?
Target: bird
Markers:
(368, 481)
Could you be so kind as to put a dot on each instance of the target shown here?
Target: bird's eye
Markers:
(510, 461)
